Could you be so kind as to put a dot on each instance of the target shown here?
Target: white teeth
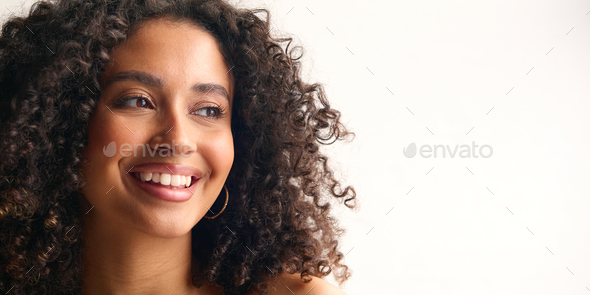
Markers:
(175, 180)
(145, 176)
(166, 179)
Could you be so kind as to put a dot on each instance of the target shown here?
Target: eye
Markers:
(210, 112)
(137, 101)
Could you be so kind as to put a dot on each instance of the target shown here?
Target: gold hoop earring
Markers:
(224, 205)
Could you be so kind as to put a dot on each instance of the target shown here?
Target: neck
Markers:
(121, 260)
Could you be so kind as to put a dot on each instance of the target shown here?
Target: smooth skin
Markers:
(136, 243)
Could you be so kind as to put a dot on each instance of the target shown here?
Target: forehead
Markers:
(178, 52)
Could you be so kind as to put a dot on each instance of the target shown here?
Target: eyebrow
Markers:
(153, 81)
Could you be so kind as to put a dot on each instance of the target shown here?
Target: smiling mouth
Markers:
(165, 180)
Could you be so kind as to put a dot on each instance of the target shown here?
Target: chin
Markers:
(164, 223)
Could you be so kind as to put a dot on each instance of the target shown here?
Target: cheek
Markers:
(101, 170)
(101, 132)
(220, 154)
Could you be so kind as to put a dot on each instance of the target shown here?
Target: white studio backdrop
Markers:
(512, 77)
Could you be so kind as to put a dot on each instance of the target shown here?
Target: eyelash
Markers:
(219, 109)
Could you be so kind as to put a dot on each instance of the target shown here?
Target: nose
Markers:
(171, 133)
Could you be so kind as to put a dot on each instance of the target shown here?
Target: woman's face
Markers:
(163, 118)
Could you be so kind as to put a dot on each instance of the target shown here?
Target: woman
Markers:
(162, 147)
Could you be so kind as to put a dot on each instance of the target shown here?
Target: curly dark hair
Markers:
(281, 184)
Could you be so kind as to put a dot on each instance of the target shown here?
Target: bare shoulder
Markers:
(289, 284)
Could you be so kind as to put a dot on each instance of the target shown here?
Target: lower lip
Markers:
(164, 193)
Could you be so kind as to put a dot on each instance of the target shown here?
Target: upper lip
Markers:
(167, 168)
